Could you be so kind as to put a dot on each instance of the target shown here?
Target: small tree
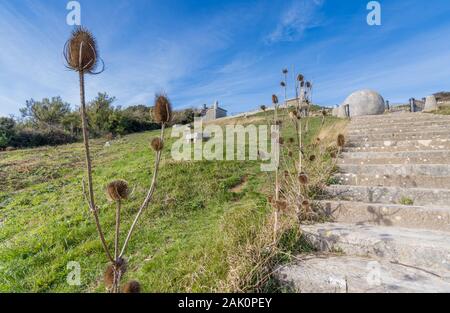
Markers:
(7, 130)
(48, 113)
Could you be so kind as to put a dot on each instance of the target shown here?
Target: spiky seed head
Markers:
(303, 178)
(300, 78)
(281, 141)
(117, 190)
(286, 174)
(285, 71)
(324, 112)
(121, 265)
(279, 122)
(312, 158)
(132, 287)
(341, 140)
(290, 154)
(293, 115)
(318, 140)
(108, 276)
(263, 108)
(333, 154)
(283, 84)
(163, 109)
(306, 204)
(157, 144)
(281, 205)
(270, 199)
(308, 84)
(81, 52)
(274, 99)
(302, 84)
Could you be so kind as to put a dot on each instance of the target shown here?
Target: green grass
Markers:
(183, 242)
(444, 110)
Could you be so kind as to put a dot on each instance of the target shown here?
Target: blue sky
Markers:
(200, 51)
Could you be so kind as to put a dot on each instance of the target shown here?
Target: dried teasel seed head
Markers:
(281, 205)
(163, 109)
(312, 158)
(279, 122)
(286, 174)
(263, 108)
(341, 140)
(157, 144)
(121, 265)
(283, 84)
(285, 71)
(291, 140)
(81, 52)
(270, 199)
(308, 85)
(300, 77)
(281, 141)
(306, 204)
(108, 276)
(117, 190)
(132, 287)
(333, 155)
(324, 112)
(290, 154)
(302, 84)
(303, 178)
(274, 99)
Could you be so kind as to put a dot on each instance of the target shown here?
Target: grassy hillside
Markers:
(204, 214)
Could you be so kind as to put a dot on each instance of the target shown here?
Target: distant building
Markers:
(213, 113)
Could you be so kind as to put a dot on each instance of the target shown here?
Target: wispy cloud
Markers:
(299, 16)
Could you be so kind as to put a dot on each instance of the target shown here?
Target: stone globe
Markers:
(365, 102)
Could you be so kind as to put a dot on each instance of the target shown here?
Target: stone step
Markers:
(419, 160)
(351, 274)
(404, 128)
(390, 124)
(374, 136)
(429, 250)
(392, 180)
(435, 170)
(419, 157)
(407, 216)
(432, 144)
(400, 117)
(390, 195)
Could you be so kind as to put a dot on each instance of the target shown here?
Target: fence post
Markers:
(412, 105)
(347, 110)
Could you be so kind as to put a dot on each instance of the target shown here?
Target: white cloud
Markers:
(295, 20)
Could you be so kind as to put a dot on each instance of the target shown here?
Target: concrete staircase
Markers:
(390, 210)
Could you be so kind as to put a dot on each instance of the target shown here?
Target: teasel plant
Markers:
(81, 55)
(277, 178)
(284, 85)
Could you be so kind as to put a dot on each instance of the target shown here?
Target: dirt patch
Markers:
(240, 186)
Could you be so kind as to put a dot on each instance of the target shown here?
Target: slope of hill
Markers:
(204, 217)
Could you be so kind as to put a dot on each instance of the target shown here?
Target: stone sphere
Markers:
(365, 102)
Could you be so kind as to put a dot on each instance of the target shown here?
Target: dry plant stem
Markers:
(277, 189)
(116, 239)
(89, 167)
(148, 198)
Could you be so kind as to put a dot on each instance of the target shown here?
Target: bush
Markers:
(28, 138)
(7, 130)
